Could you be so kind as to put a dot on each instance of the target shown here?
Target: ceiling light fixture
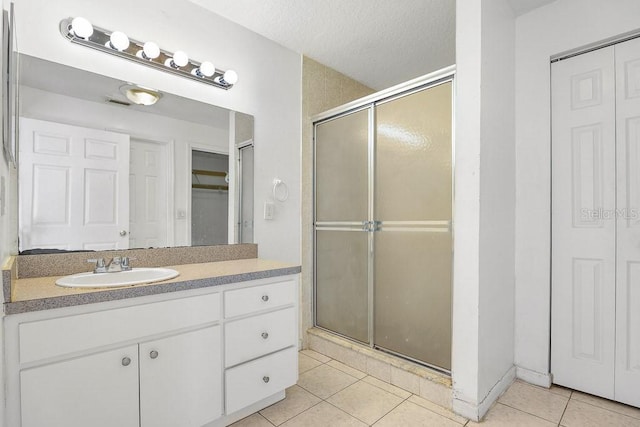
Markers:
(140, 95)
(79, 30)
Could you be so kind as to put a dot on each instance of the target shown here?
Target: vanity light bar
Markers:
(79, 30)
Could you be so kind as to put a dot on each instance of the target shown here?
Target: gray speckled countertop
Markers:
(41, 293)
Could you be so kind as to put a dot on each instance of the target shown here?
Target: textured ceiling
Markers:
(376, 42)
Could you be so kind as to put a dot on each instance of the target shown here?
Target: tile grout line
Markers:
(606, 409)
(389, 411)
(565, 408)
(528, 413)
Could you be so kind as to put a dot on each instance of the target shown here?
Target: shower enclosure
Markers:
(383, 230)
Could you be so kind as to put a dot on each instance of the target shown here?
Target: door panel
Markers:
(413, 157)
(627, 367)
(413, 199)
(583, 225)
(342, 263)
(74, 187)
(413, 294)
(341, 244)
(342, 172)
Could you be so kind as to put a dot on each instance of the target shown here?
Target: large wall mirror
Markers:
(100, 170)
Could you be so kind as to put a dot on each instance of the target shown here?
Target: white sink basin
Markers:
(135, 276)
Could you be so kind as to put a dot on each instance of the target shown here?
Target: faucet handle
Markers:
(100, 266)
(125, 262)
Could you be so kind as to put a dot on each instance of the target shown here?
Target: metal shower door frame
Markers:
(370, 225)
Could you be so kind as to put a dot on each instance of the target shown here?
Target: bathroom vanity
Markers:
(206, 348)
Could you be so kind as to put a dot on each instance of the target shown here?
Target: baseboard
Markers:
(476, 412)
(533, 377)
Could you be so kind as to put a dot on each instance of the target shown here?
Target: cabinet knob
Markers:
(265, 298)
(265, 335)
(126, 361)
(153, 354)
(265, 379)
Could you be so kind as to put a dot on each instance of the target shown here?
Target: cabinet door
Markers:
(181, 380)
(97, 390)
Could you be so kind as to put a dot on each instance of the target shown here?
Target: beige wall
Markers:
(322, 89)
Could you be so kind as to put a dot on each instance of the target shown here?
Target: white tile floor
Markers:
(331, 394)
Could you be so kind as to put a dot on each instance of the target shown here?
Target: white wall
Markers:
(555, 28)
(484, 205)
(269, 85)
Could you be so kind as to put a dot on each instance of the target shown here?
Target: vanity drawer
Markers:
(260, 378)
(55, 337)
(256, 336)
(257, 298)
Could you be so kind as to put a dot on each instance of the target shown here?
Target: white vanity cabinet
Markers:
(260, 342)
(202, 357)
(179, 385)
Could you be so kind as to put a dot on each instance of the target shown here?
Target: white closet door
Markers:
(627, 376)
(583, 222)
(74, 190)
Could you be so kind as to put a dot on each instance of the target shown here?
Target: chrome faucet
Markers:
(115, 265)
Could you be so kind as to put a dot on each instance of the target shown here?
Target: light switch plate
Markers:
(269, 210)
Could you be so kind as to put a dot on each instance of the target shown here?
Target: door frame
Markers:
(238, 181)
(444, 75)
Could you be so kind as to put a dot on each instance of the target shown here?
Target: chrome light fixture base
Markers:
(100, 40)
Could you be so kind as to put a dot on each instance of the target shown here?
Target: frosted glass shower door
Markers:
(413, 241)
(342, 206)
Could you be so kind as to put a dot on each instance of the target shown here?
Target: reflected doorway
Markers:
(209, 198)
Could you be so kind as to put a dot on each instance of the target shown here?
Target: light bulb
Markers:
(230, 77)
(206, 69)
(81, 27)
(118, 41)
(180, 59)
(150, 50)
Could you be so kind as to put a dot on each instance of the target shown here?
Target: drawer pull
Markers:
(153, 354)
(126, 361)
(265, 335)
(265, 298)
(265, 379)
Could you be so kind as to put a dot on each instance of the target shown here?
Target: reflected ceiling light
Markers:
(179, 60)
(206, 69)
(80, 31)
(118, 41)
(140, 95)
(149, 51)
(81, 27)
